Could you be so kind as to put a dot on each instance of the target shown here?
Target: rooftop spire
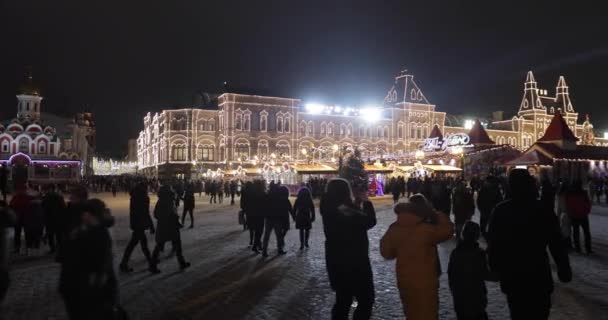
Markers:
(530, 81)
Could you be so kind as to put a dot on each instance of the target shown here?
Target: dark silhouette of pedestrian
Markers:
(21, 205)
(258, 205)
(188, 206)
(547, 193)
(520, 231)
(7, 220)
(578, 207)
(3, 181)
(114, 189)
(212, 191)
(467, 272)
(487, 198)
(347, 248)
(72, 218)
(167, 228)
(464, 205)
(304, 215)
(246, 207)
(277, 218)
(54, 208)
(87, 281)
(412, 240)
(140, 221)
(232, 188)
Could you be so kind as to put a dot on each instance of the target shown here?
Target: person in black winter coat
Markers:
(467, 272)
(256, 207)
(167, 228)
(520, 231)
(304, 215)
(54, 208)
(487, 198)
(87, 280)
(140, 221)
(7, 220)
(188, 206)
(277, 218)
(345, 226)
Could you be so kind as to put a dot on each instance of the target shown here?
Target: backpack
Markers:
(577, 205)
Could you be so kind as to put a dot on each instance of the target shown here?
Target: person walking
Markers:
(487, 198)
(578, 207)
(220, 191)
(520, 231)
(54, 208)
(87, 281)
(114, 189)
(140, 221)
(412, 240)
(277, 218)
(467, 272)
(304, 215)
(547, 193)
(232, 188)
(188, 206)
(213, 191)
(464, 205)
(21, 205)
(167, 228)
(7, 220)
(258, 205)
(345, 225)
(246, 207)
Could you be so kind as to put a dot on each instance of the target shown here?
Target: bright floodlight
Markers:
(314, 108)
(606, 135)
(468, 124)
(370, 114)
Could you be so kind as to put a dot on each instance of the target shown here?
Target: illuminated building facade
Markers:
(36, 150)
(247, 128)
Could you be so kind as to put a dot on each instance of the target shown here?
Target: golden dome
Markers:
(29, 88)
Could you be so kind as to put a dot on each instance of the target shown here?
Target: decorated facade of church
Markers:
(32, 150)
(238, 128)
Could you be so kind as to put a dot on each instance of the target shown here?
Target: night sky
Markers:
(121, 59)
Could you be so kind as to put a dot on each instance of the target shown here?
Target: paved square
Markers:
(228, 281)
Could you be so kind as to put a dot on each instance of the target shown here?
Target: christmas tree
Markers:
(353, 170)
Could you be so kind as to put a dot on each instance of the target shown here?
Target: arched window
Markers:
(361, 131)
(24, 145)
(310, 128)
(286, 124)
(178, 152)
(279, 123)
(283, 150)
(425, 132)
(419, 132)
(323, 126)
(412, 132)
(5, 146)
(302, 128)
(330, 129)
(413, 94)
(241, 151)
(246, 121)
(221, 117)
(379, 132)
(263, 121)
(349, 130)
(263, 149)
(204, 152)
(342, 130)
(211, 124)
(238, 121)
(400, 131)
(42, 147)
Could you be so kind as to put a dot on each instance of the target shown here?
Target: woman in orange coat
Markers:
(412, 240)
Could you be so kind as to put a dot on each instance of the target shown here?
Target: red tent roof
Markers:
(558, 130)
(436, 133)
(478, 134)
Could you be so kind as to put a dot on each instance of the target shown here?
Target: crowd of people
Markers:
(519, 219)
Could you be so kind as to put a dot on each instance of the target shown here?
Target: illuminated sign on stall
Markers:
(452, 140)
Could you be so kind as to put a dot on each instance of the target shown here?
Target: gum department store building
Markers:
(236, 128)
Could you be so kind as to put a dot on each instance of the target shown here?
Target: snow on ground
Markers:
(228, 281)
